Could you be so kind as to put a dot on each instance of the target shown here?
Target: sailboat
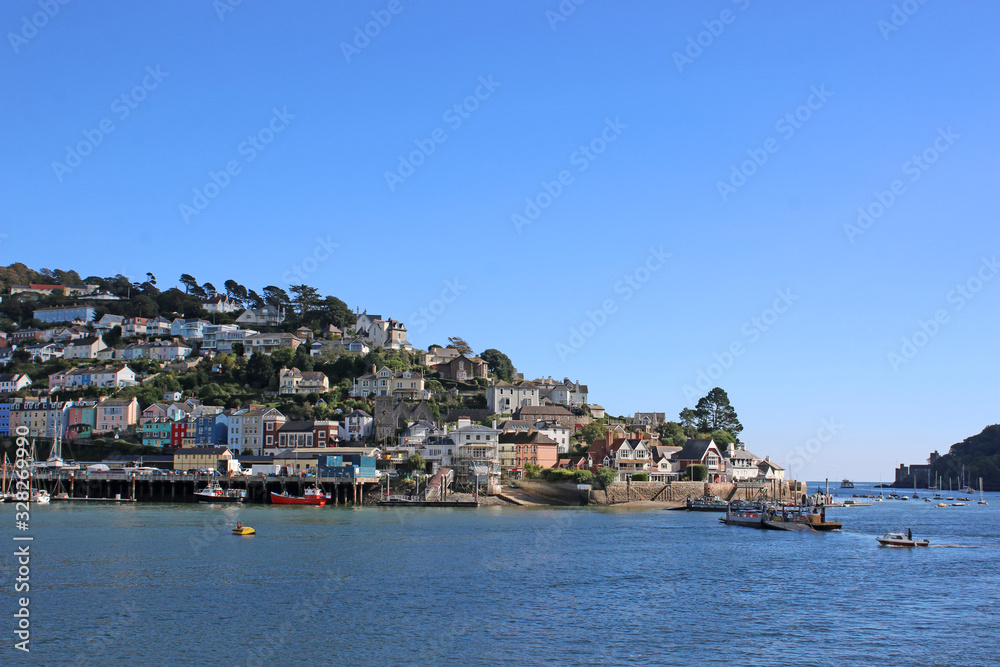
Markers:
(981, 501)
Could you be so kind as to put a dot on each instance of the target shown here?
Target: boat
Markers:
(942, 504)
(800, 519)
(958, 504)
(311, 496)
(749, 515)
(901, 540)
(240, 529)
(846, 484)
(981, 501)
(965, 499)
(705, 504)
(214, 493)
(40, 496)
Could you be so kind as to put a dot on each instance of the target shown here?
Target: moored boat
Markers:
(750, 515)
(901, 540)
(311, 496)
(706, 504)
(214, 493)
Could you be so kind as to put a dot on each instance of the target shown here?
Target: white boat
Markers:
(981, 501)
(214, 493)
(40, 496)
(901, 540)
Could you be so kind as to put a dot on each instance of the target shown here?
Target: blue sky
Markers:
(645, 111)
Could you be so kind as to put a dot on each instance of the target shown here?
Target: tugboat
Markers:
(214, 493)
(312, 496)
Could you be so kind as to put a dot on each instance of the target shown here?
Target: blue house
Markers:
(66, 314)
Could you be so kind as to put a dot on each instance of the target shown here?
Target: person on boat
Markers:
(909, 533)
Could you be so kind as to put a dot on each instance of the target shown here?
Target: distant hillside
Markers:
(980, 454)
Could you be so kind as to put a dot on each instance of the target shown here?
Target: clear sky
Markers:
(623, 193)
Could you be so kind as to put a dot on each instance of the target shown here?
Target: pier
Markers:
(181, 488)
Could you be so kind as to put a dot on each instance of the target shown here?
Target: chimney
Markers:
(730, 449)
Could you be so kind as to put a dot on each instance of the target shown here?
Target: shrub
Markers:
(607, 476)
(640, 477)
(698, 472)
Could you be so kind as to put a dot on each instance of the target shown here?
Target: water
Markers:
(168, 584)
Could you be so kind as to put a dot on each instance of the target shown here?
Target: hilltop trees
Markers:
(460, 345)
(713, 413)
(499, 364)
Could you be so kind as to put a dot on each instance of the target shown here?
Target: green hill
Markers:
(980, 454)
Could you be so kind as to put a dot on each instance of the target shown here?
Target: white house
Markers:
(505, 398)
(356, 425)
(11, 382)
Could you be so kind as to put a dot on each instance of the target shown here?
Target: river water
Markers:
(169, 584)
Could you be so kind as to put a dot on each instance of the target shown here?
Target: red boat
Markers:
(312, 497)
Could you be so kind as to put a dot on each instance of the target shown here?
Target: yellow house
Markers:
(196, 458)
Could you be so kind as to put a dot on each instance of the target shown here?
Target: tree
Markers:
(460, 345)
(238, 349)
(275, 296)
(416, 463)
(714, 413)
(499, 364)
(189, 282)
(254, 300)
(671, 434)
(532, 470)
(697, 472)
(260, 370)
(689, 422)
(210, 290)
(607, 476)
(592, 431)
(235, 291)
(722, 438)
(112, 336)
(305, 298)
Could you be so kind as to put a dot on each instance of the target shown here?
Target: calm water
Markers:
(168, 584)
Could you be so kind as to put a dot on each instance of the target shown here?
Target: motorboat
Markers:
(901, 540)
(40, 496)
(846, 484)
(942, 504)
(214, 493)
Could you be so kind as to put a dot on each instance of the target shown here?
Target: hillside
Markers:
(980, 454)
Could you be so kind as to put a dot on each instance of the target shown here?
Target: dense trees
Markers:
(712, 413)
(499, 364)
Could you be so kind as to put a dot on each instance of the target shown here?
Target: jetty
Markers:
(119, 486)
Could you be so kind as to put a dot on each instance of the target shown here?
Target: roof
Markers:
(768, 463)
(526, 438)
(694, 450)
(200, 451)
(558, 410)
(515, 425)
(296, 426)
(744, 454)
